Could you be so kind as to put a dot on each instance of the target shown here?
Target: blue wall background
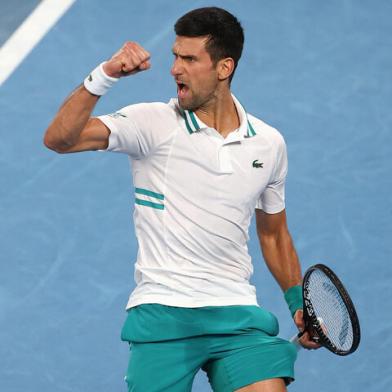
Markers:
(318, 71)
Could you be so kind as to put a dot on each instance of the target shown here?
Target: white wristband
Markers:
(98, 83)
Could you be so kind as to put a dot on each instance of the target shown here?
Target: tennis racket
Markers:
(329, 314)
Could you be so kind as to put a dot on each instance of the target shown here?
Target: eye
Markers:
(188, 59)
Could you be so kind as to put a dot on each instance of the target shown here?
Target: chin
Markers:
(192, 105)
(186, 105)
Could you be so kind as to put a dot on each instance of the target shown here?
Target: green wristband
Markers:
(294, 298)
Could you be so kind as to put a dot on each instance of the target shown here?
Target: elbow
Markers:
(48, 142)
(55, 144)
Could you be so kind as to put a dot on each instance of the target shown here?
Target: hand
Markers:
(305, 340)
(130, 59)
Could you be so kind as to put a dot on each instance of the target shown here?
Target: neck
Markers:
(220, 113)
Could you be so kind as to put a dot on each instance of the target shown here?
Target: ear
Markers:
(225, 68)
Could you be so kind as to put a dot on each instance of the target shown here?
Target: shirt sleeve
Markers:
(272, 199)
(134, 129)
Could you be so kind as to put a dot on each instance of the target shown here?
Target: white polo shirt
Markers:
(195, 193)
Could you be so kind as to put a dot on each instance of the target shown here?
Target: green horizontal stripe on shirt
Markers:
(149, 204)
(146, 192)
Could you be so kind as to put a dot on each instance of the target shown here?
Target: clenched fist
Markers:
(130, 59)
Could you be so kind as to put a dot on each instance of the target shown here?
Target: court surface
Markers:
(318, 71)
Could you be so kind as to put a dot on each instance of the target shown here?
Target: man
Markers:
(201, 165)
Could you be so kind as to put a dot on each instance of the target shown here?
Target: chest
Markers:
(207, 168)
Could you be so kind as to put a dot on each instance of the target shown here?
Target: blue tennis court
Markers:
(318, 71)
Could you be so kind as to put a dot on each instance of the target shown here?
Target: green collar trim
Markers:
(192, 123)
(251, 132)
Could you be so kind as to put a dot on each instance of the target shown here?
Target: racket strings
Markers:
(331, 311)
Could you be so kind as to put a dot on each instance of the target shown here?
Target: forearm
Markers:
(281, 258)
(72, 117)
(71, 131)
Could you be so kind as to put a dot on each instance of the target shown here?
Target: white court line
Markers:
(29, 33)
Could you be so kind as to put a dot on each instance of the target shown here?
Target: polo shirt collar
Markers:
(194, 124)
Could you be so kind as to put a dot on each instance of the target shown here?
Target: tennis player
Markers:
(201, 166)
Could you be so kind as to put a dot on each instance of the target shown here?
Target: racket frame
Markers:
(313, 325)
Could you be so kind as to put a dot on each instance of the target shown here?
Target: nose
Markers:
(176, 68)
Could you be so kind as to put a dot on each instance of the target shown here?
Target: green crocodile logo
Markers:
(257, 164)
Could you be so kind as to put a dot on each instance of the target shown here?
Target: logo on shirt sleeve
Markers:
(117, 115)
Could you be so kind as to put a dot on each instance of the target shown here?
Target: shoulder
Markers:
(149, 112)
(265, 132)
(152, 117)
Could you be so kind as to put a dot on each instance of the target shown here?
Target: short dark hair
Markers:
(224, 31)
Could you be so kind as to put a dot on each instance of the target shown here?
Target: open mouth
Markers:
(182, 89)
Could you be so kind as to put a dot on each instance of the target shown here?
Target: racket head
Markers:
(334, 325)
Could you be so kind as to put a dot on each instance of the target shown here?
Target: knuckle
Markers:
(129, 45)
(126, 45)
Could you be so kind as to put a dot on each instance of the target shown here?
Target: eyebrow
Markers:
(184, 56)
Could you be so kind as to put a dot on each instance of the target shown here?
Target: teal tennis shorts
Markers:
(235, 345)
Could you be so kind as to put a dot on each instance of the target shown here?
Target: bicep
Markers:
(94, 136)
(270, 225)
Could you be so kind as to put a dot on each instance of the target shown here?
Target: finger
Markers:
(310, 344)
(299, 319)
(120, 61)
(145, 65)
(130, 59)
(134, 60)
(144, 53)
(113, 67)
(141, 56)
(142, 67)
(307, 342)
(131, 64)
(137, 51)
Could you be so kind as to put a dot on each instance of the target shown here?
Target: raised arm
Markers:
(282, 260)
(73, 129)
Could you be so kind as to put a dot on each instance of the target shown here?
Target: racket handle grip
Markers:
(295, 340)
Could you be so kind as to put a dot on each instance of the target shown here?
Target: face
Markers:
(194, 72)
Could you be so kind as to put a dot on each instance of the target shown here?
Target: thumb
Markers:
(299, 319)
(113, 68)
(145, 65)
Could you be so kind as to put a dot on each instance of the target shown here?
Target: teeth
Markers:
(182, 88)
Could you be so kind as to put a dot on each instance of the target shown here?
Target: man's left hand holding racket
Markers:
(305, 340)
